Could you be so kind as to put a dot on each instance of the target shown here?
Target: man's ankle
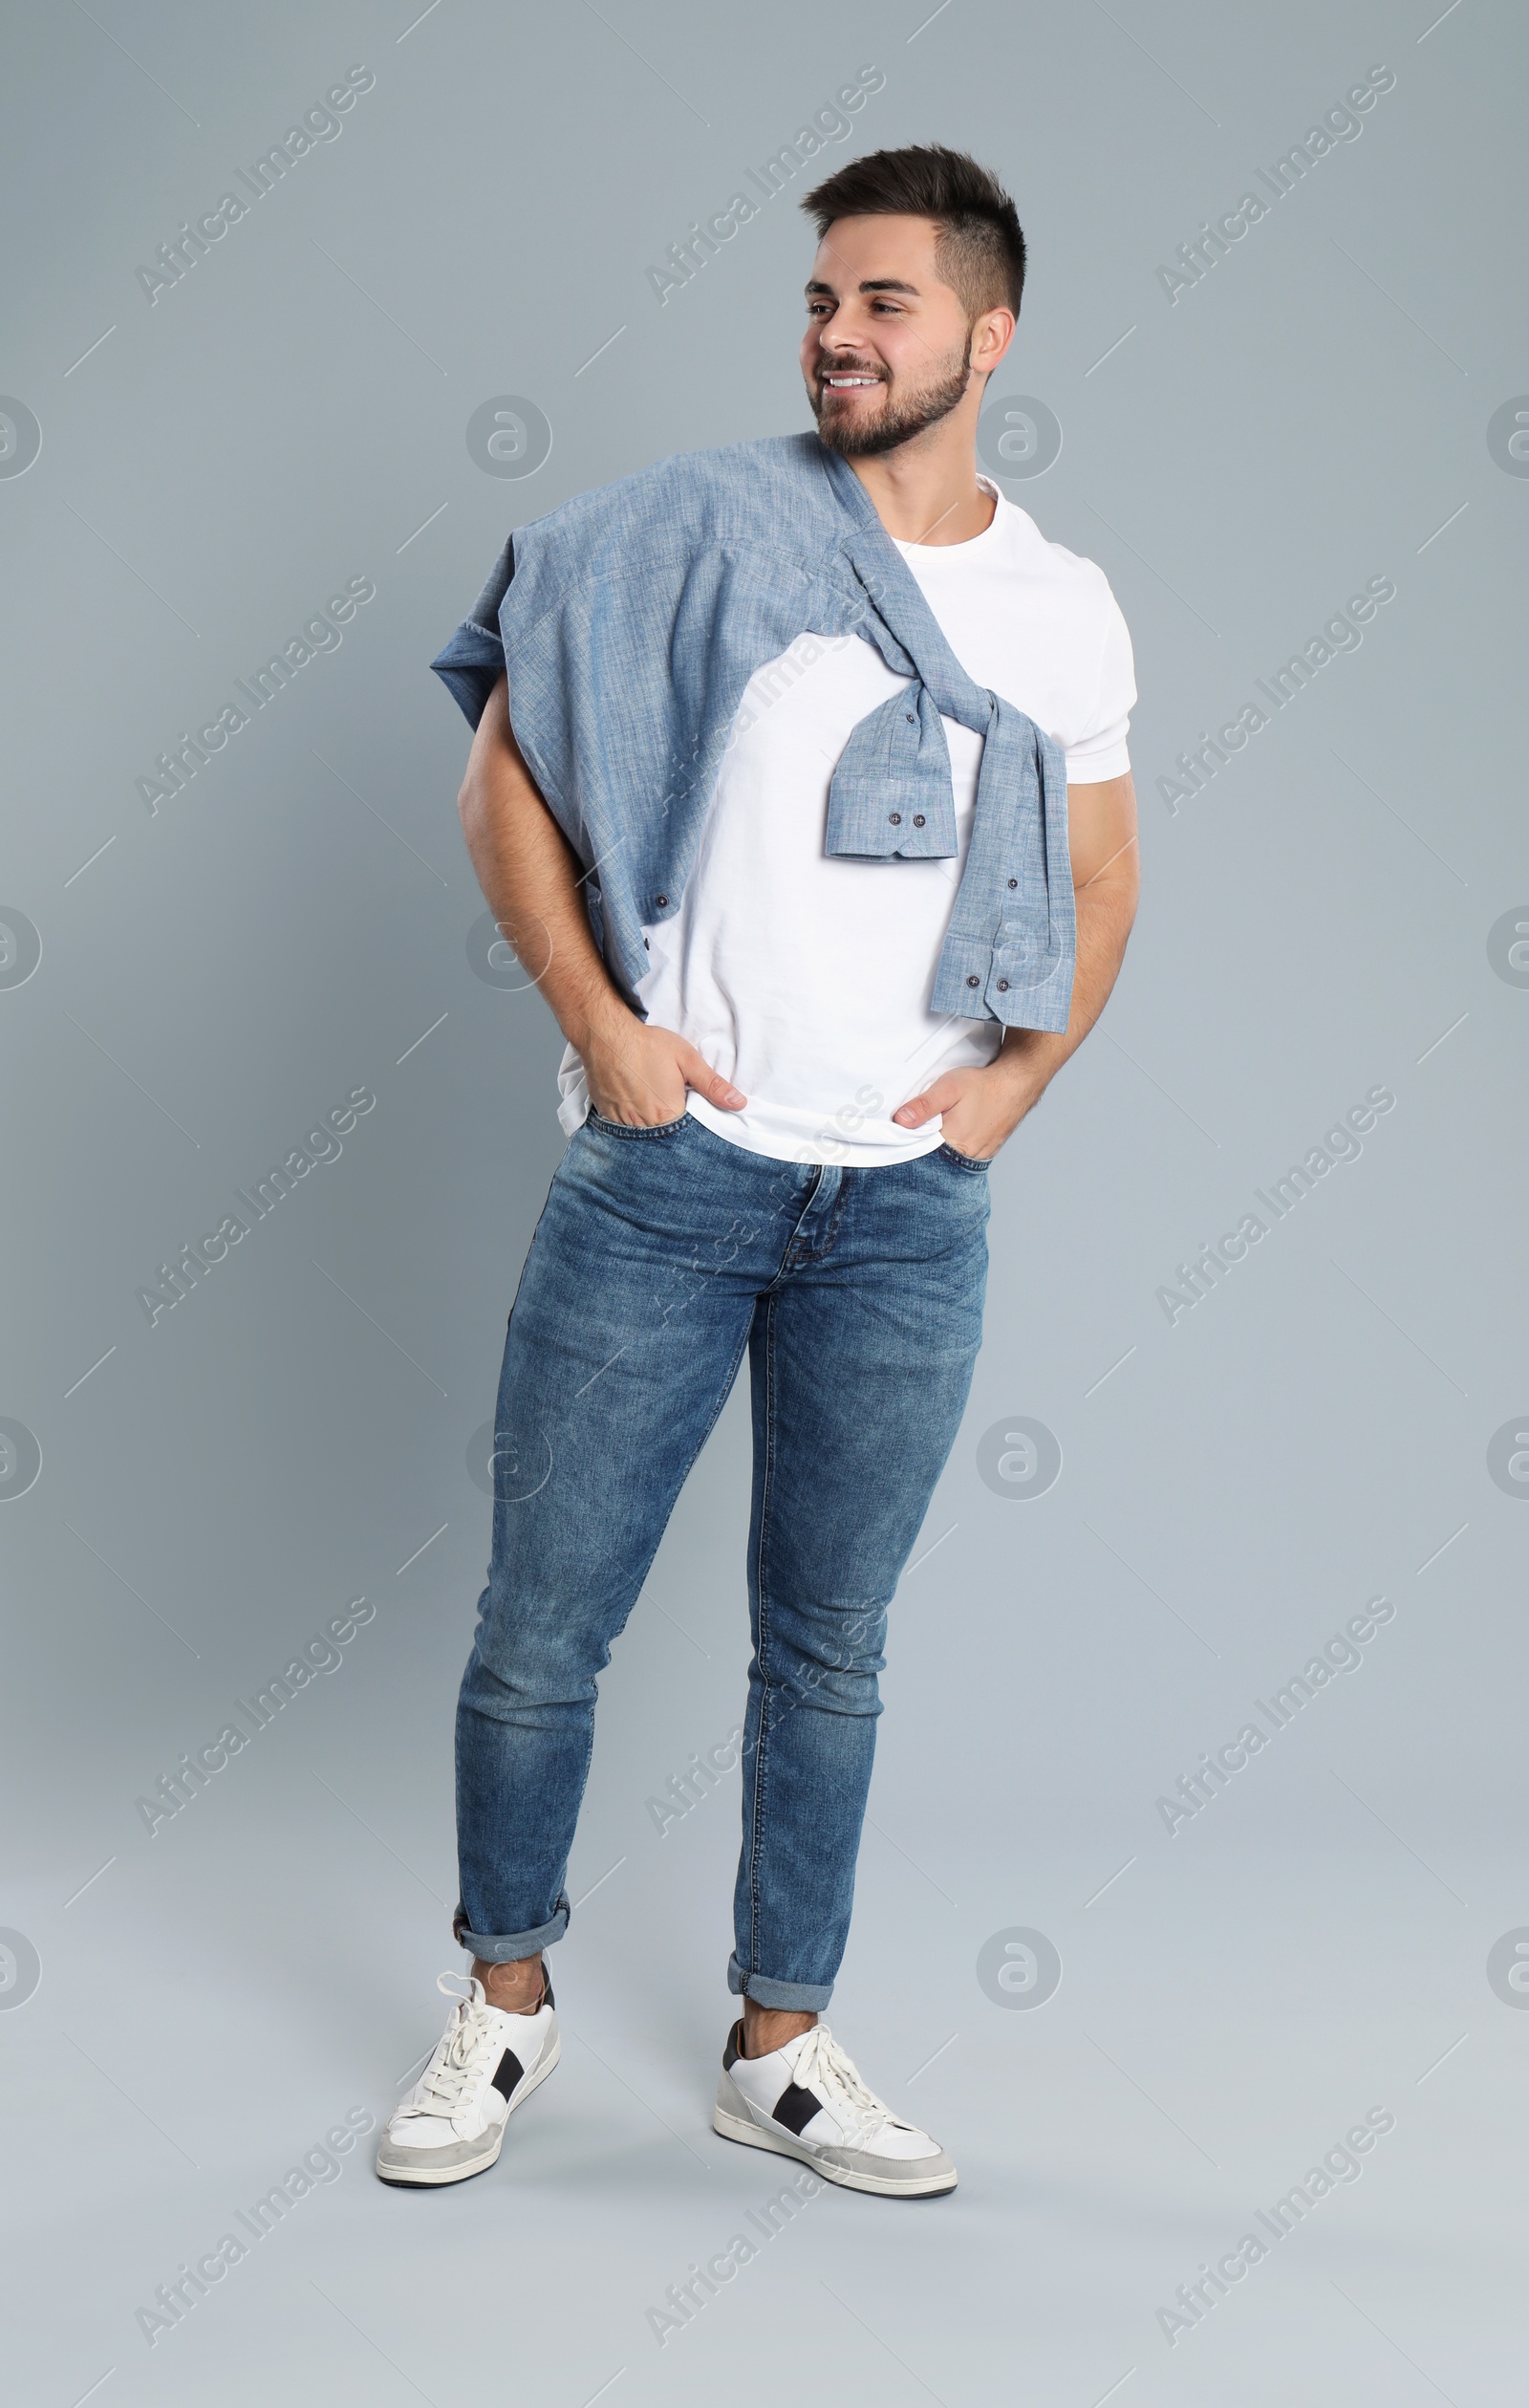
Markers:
(767, 2028)
(516, 1987)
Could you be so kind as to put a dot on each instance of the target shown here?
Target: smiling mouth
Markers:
(846, 380)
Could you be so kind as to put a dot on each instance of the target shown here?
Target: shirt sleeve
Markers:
(474, 658)
(1099, 751)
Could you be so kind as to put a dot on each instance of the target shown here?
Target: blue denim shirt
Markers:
(631, 620)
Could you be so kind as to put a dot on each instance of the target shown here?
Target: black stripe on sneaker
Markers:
(511, 2072)
(795, 2107)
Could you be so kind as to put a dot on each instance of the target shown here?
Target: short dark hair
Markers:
(980, 248)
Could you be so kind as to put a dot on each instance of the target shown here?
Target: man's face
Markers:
(888, 351)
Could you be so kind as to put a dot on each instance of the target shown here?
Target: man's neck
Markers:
(927, 492)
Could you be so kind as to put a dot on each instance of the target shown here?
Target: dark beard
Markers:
(901, 421)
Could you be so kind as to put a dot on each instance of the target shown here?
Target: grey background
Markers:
(1233, 1487)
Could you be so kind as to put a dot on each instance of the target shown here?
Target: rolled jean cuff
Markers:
(806, 1997)
(509, 1948)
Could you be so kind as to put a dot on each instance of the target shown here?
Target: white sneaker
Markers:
(806, 2101)
(485, 2063)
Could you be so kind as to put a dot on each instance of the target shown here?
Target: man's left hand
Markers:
(981, 1108)
(978, 1109)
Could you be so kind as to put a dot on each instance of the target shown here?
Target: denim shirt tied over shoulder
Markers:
(630, 621)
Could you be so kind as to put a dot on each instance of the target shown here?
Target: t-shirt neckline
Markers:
(962, 551)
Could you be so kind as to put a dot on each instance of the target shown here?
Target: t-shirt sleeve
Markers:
(468, 665)
(1099, 750)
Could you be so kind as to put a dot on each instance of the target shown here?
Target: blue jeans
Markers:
(659, 1256)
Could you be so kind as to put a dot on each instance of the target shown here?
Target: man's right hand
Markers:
(533, 882)
(641, 1075)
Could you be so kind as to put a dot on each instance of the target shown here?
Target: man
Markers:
(768, 791)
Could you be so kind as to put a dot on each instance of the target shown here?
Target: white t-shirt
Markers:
(805, 979)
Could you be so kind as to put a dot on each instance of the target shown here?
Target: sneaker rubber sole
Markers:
(398, 2171)
(753, 2135)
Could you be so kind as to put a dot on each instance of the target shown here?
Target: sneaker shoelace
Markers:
(444, 2080)
(824, 2065)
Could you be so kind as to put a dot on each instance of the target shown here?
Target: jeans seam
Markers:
(461, 1917)
(831, 1232)
(810, 1253)
(584, 1782)
(756, 1845)
(724, 1392)
(638, 1129)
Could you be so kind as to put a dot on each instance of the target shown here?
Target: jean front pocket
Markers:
(963, 1162)
(636, 1129)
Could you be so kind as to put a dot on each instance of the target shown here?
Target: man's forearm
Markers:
(534, 881)
(1106, 908)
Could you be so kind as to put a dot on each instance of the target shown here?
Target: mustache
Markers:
(850, 368)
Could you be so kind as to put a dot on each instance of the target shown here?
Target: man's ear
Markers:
(991, 336)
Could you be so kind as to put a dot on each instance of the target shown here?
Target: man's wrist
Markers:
(599, 1019)
(1020, 1068)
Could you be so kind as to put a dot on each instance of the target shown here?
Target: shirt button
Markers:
(1014, 881)
(974, 982)
(662, 901)
(918, 819)
(911, 718)
(1002, 986)
(895, 817)
(646, 947)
